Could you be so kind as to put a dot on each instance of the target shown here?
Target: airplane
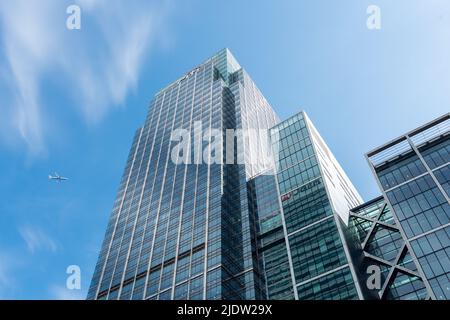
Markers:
(57, 177)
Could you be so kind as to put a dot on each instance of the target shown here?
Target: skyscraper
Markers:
(375, 240)
(413, 173)
(265, 222)
(404, 234)
(302, 244)
(183, 230)
(221, 200)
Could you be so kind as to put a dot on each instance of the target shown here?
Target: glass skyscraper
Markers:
(302, 207)
(275, 269)
(413, 172)
(221, 200)
(315, 196)
(183, 231)
(375, 240)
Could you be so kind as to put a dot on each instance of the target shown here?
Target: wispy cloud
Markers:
(36, 239)
(62, 293)
(99, 64)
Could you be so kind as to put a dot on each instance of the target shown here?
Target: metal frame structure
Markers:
(371, 233)
(410, 142)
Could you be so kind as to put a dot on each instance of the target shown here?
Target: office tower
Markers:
(274, 268)
(221, 200)
(378, 248)
(182, 229)
(413, 173)
(301, 212)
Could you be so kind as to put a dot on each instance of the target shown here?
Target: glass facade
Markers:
(184, 231)
(413, 172)
(280, 221)
(376, 241)
(264, 204)
(303, 248)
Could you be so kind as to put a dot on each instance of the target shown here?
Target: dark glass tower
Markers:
(269, 213)
(264, 203)
(183, 231)
(302, 208)
(413, 172)
(375, 239)
(315, 197)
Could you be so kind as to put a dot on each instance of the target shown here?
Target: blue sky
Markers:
(72, 99)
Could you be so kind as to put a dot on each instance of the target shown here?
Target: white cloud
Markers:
(98, 64)
(26, 48)
(62, 293)
(37, 240)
